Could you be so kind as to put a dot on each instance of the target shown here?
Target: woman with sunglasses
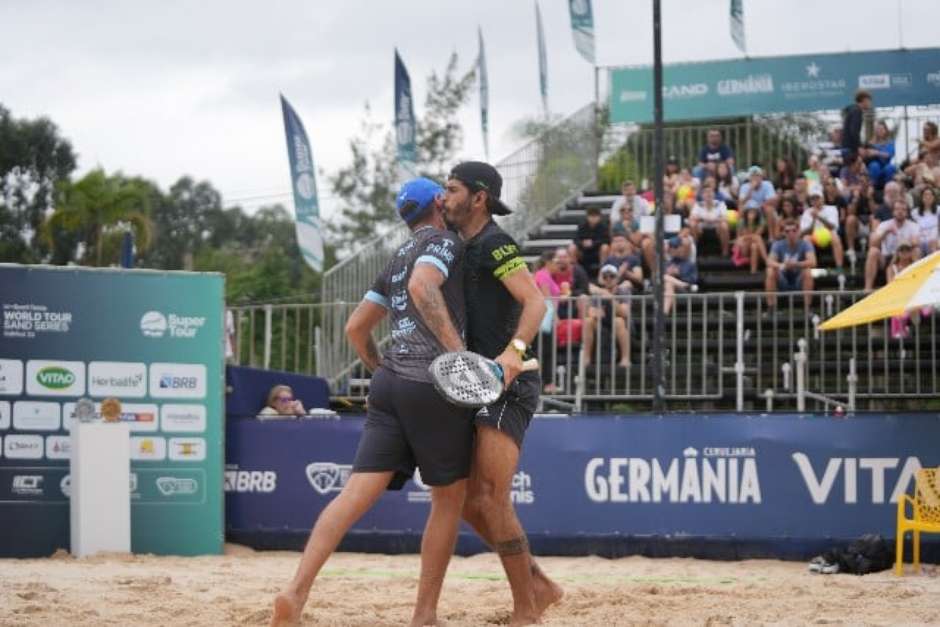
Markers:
(281, 402)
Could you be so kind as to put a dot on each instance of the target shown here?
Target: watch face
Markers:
(519, 345)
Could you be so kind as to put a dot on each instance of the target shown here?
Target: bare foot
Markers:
(287, 609)
(422, 620)
(517, 621)
(547, 593)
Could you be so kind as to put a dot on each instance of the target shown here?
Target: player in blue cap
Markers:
(409, 424)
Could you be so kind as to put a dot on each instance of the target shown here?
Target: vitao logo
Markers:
(848, 468)
(326, 477)
(722, 475)
(55, 378)
(153, 324)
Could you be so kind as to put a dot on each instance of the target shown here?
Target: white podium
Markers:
(101, 502)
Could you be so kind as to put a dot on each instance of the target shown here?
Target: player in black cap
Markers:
(504, 311)
(409, 424)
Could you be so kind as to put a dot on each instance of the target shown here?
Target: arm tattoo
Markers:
(371, 358)
(516, 546)
(437, 317)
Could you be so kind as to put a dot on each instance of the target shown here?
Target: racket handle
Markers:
(530, 364)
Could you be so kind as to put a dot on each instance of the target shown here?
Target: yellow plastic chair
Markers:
(925, 505)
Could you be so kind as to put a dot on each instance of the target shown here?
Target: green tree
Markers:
(100, 209)
(33, 158)
(184, 219)
(367, 186)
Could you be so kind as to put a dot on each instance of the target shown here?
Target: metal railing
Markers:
(538, 179)
(722, 350)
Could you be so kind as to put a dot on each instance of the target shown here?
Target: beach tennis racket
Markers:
(470, 380)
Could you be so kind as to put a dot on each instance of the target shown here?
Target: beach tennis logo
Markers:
(326, 477)
(177, 486)
(521, 489)
(155, 324)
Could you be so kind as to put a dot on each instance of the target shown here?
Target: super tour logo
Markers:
(156, 324)
(718, 475)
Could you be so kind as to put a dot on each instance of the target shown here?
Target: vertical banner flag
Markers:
(484, 95)
(543, 61)
(737, 24)
(582, 27)
(303, 177)
(404, 120)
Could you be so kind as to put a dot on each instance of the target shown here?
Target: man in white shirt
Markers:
(630, 199)
(818, 215)
(711, 214)
(886, 239)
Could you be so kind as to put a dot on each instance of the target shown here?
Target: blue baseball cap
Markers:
(415, 197)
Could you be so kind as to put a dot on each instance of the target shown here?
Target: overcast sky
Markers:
(166, 88)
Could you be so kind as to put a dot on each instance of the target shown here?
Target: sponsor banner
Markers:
(36, 416)
(177, 380)
(141, 417)
(23, 447)
(55, 378)
(28, 321)
(187, 449)
(717, 89)
(116, 378)
(157, 324)
(4, 415)
(719, 476)
(148, 448)
(183, 418)
(11, 377)
(257, 481)
(58, 447)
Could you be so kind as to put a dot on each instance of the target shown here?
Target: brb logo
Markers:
(169, 382)
(326, 477)
(242, 481)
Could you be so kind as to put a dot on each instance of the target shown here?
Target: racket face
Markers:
(467, 379)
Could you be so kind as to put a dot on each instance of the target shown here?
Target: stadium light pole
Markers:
(658, 171)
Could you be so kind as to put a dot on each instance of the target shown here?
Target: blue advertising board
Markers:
(815, 82)
(752, 479)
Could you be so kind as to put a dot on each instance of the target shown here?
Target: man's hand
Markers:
(511, 362)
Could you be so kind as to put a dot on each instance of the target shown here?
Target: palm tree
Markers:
(101, 208)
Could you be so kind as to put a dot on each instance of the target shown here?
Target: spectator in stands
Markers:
(925, 173)
(930, 141)
(886, 239)
(830, 152)
(629, 224)
(728, 184)
(758, 193)
(591, 241)
(853, 173)
(784, 178)
(879, 155)
(852, 118)
(572, 281)
(281, 402)
(903, 258)
(609, 312)
(629, 198)
(856, 215)
(789, 267)
(686, 191)
(749, 245)
(811, 173)
(551, 291)
(925, 215)
(713, 153)
(711, 215)
(681, 270)
(623, 256)
(789, 210)
(800, 192)
(819, 223)
(885, 209)
(671, 176)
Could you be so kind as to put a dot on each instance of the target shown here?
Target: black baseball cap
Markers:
(477, 175)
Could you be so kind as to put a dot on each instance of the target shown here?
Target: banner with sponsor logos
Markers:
(153, 340)
(716, 89)
(761, 479)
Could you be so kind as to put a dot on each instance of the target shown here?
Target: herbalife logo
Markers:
(55, 377)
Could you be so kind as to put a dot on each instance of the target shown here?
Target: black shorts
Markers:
(513, 411)
(409, 424)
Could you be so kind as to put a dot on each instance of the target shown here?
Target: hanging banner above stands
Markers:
(716, 89)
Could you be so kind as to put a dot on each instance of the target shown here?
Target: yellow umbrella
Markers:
(917, 286)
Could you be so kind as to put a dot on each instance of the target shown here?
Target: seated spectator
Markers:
(789, 267)
(886, 239)
(800, 191)
(591, 241)
(830, 152)
(628, 224)
(713, 153)
(281, 402)
(879, 155)
(784, 177)
(930, 141)
(728, 184)
(853, 173)
(925, 215)
(758, 193)
(609, 312)
(925, 173)
(623, 256)
(551, 291)
(686, 191)
(572, 282)
(819, 225)
(629, 198)
(811, 173)
(789, 210)
(903, 258)
(681, 270)
(884, 210)
(749, 245)
(711, 215)
(671, 176)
